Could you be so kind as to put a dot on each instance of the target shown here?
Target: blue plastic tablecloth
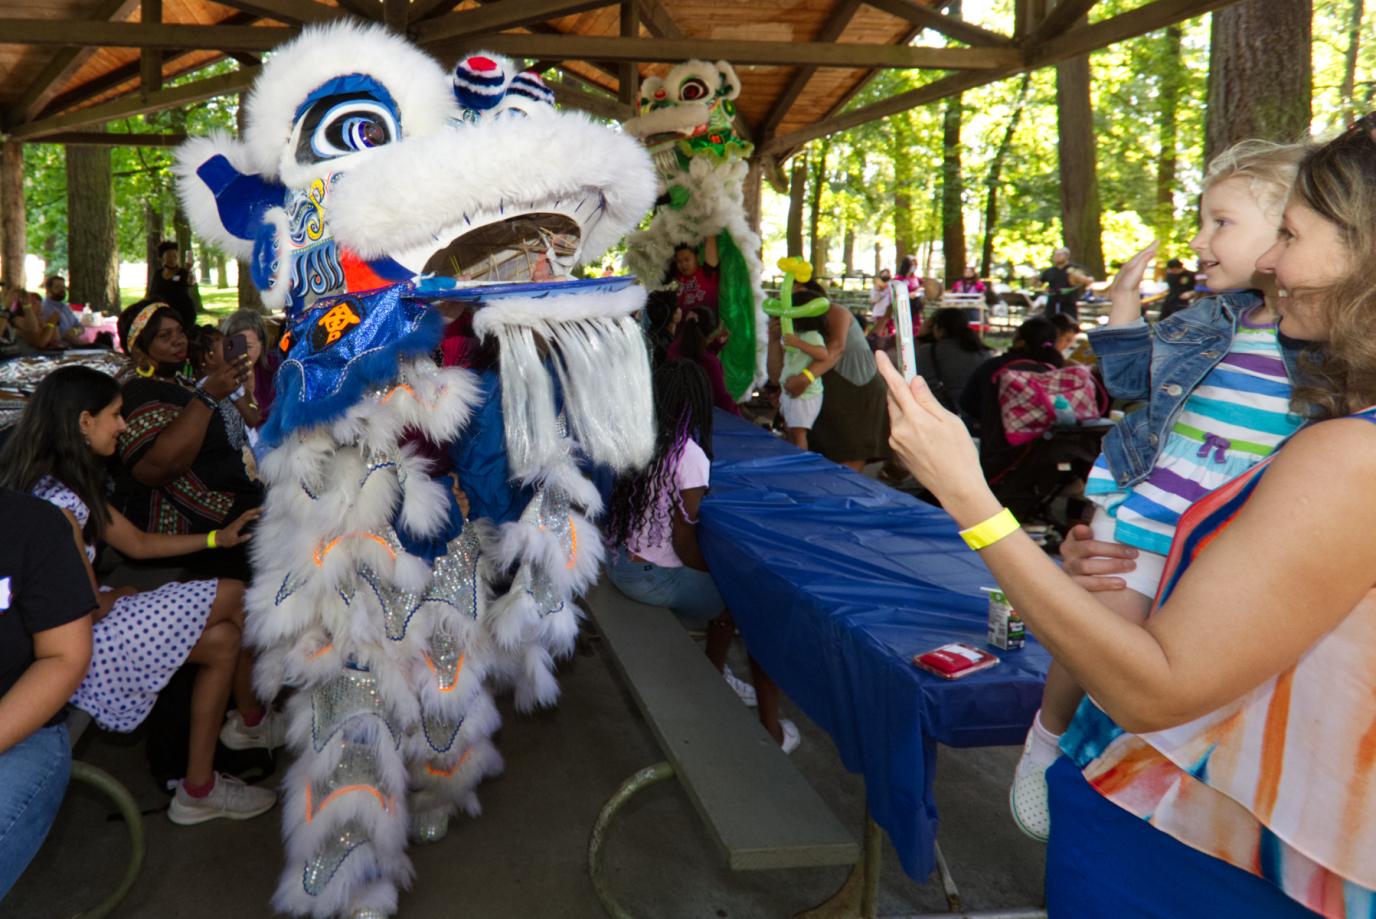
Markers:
(836, 581)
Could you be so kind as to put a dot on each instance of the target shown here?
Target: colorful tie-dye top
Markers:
(1282, 782)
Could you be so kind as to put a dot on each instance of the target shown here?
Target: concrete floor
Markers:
(527, 855)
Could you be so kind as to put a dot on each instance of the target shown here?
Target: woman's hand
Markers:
(796, 385)
(791, 340)
(1091, 562)
(226, 378)
(932, 442)
(234, 534)
(1125, 293)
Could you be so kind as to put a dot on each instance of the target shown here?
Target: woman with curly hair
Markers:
(652, 529)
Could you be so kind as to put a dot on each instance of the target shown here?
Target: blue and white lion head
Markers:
(363, 163)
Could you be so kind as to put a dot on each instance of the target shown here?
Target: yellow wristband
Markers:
(988, 532)
(811, 377)
(210, 540)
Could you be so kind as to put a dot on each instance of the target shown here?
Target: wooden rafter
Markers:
(368, 9)
(422, 10)
(141, 35)
(628, 80)
(395, 14)
(104, 139)
(150, 59)
(1149, 18)
(592, 103)
(187, 93)
(787, 54)
(830, 32)
(928, 18)
(1061, 17)
(495, 17)
(63, 66)
(292, 12)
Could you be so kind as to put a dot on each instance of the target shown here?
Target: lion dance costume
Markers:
(685, 118)
(372, 192)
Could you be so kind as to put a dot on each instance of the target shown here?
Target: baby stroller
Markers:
(1031, 473)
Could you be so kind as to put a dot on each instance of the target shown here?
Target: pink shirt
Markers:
(693, 471)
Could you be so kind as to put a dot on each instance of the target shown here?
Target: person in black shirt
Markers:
(45, 647)
(1179, 288)
(172, 284)
(1065, 282)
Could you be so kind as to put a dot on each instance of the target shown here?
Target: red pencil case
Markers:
(955, 660)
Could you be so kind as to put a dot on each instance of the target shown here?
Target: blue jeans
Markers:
(689, 594)
(1105, 863)
(33, 779)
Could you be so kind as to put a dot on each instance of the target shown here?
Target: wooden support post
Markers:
(629, 82)
(13, 224)
(150, 59)
(751, 194)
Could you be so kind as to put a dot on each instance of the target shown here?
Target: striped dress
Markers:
(1281, 782)
(1236, 417)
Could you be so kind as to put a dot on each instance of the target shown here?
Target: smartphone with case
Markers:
(236, 346)
(903, 322)
(955, 660)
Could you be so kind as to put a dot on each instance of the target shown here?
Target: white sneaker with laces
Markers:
(268, 734)
(230, 798)
(791, 736)
(742, 688)
(1027, 798)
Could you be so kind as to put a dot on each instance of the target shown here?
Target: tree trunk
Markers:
(1079, 176)
(1172, 73)
(221, 279)
(848, 247)
(991, 183)
(952, 193)
(1255, 90)
(93, 271)
(249, 296)
(797, 194)
(878, 257)
(1354, 44)
(816, 244)
(14, 233)
(903, 141)
(153, 220)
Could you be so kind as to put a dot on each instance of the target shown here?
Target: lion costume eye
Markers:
(693, 90)
(340, 125)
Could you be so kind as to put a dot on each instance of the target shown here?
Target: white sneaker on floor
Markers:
(268, 734)
(230, 798)
(1027, 799)
(791, 736)
(742, 688)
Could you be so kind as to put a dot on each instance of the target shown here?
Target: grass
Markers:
(218, 302)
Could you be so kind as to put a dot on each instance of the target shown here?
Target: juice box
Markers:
(1006, 630)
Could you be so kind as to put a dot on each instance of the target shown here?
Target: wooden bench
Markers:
(757, 807)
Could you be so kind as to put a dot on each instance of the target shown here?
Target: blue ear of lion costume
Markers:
(370, 189)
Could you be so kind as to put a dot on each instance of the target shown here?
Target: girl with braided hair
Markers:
(652, 529)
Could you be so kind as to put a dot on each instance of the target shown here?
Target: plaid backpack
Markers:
(1028, 391)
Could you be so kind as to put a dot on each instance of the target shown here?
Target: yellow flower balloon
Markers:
(800, 268)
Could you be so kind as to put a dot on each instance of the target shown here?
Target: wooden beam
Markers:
(1107, 32)
(592, 103)
(628, 80)
(787, 54)
(395, 14)
(140, 35)
(928, 18)
(103, 139)
(830, 32)
(1061, 17)
(422, 10)
(292, 12)
(63, 66)
(494, 17)
(368, 9)
(150, 59)
(138, 104)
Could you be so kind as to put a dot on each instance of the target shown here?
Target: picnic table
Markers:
(836, 581)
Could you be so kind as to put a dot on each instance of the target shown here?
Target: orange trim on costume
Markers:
(458, 669)
(400, 387)
(323, 651)
(312, 811)
(448, 773)
(326, 548)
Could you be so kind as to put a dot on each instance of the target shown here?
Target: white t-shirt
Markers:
(880, 298)
(693, 471)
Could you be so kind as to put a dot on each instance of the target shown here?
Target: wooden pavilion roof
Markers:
(67, 66)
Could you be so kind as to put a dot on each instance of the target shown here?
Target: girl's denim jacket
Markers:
(1162, 365)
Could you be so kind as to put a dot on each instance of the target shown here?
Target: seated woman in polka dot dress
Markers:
(57, 451)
